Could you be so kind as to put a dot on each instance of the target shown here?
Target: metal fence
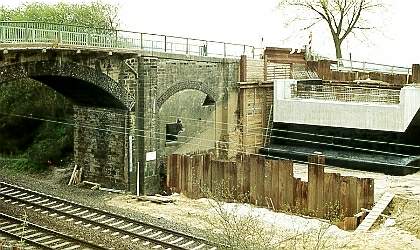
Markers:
(81, 36)
(350, 65)
(345, 94)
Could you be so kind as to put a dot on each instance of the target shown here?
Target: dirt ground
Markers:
(401, 232)
(398, 231)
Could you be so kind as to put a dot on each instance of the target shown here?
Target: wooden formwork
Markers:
(254, 179)
(255, 102)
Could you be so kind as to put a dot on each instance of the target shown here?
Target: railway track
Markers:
(41, 237)
(105, 222)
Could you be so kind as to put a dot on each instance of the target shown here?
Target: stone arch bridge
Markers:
(117, 91)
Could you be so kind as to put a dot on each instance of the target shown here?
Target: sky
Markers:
(397, 42)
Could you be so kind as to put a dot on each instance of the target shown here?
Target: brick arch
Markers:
(189, 85)
(83, 85)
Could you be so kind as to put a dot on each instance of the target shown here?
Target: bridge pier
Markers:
(101, 138)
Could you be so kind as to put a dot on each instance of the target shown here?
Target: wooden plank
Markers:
(312, 183)
(247, 179)
(281, 186)
(260, 180)
(174, 185)
(297, 194)
(286, 183)
(253, 179)
(350, 223)
(188, 168)
(214, 176)
(197, 175)
(275, 172)
(200, 174)
(375, 212)
(353, 196)
(288, 180)
(229, 179)
(371, 193)
(268, 184)
(316, 184)
(179, 170)
(329, 199)
(169, 172)
(360, 195)
(232, 181)
(344, 196)
(240, 174)
(206, 186)
(304, 196)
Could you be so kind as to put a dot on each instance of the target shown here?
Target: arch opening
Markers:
(82, 85)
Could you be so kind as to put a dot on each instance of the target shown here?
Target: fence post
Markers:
(3, 34)
(415, 73)
(26, 32)
(60, 36)
(187, 46)
(164, 40)
(141, 40)
(316, 184)
(408, 76)
(224, 49)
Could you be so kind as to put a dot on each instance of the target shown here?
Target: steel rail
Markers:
(177, 240)
(9, 226)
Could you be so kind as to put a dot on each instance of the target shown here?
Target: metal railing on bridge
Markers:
(81, 36)
(345, 94)
(351, 65)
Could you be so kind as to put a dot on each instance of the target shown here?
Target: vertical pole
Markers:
(130, 153)
(164, 40)
(141, 40)
(186, 52)
(215, 128)
(138, 188)
(408, 76)
(140, 126)
(224, 49)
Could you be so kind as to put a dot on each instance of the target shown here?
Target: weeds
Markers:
(241, 226)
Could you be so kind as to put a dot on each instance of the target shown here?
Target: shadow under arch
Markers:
(82, 85)
(212, 95)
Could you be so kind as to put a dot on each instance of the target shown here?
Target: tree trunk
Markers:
(337, 44)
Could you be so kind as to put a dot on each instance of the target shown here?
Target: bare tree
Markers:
(343, 17)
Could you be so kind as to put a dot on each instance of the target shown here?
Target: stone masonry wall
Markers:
(160, 78)
(100, 145)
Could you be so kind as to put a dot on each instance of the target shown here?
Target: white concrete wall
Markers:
(371, 116)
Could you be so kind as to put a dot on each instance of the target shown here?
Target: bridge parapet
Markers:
(81, 36)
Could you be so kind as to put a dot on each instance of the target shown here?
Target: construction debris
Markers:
(156, 199)
(76, 176)
(93, 184)
(111, 190)
(376, 212)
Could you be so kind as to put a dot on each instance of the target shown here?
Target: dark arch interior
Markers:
(81, 92)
